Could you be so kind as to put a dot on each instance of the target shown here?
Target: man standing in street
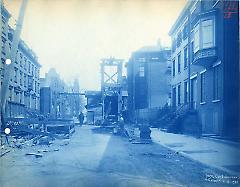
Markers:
(81, 118)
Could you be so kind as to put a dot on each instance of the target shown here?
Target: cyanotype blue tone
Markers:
(93, 93)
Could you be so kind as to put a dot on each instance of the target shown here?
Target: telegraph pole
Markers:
(189, 60)
(9, 67)
(0, 61)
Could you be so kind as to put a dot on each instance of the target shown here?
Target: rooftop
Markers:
(181, 16)
(24, 47)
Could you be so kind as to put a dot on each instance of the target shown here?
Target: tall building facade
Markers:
(148, 76)
(205, 64)
(24, 87)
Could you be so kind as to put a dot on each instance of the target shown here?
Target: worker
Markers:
(81, 118)
(121, 122)
(145, 132)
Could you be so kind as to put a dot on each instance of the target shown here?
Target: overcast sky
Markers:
(74, 35)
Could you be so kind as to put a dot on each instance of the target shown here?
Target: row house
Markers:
(205, 64)
(24, 86)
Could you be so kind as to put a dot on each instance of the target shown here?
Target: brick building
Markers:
(148, 74)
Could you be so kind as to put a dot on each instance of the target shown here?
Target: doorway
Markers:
(194, 93)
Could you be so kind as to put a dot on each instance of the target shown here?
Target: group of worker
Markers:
(145, 131)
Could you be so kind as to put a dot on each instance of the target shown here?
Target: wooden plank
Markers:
(2, 154)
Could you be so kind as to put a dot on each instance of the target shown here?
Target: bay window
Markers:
(204, 35)
(207, 34)
(196, 38)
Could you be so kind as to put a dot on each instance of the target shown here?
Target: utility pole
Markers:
(0, 61)
(8, 68)
(189, 60)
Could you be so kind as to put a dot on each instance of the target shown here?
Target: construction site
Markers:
(75, 110)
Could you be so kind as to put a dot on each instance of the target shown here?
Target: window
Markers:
(32, 69)
(185, 57)
(173, 45)
(29, 67)
(141, 71)
(20, 60)
(203, 87)
(36, 88)
(179, 94)
(142, 60)
(185, 31)
(30, 82)
(25, 63)
(174, 97)
(3, 47)
(179, 62)
(15, 74)
(20, 98)
(192, 51)
(179, 39)
(25, 80)
(173, 67)
(10, 95)
(185, 92)
(216, 83)
(36, 72)
(33, 85)
(207, 34)
(1, 72)
(20, 78)
(205, 30)
(196, 38)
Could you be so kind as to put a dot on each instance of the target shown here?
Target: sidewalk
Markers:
(214, 154)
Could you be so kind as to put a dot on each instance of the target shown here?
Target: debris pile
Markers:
(38, 140)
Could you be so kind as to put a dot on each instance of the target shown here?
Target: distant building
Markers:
(205, 39)
(45, 101)
(75, 99)
(51, 86)
(58, 99)
(148, 74)
(124, 93)
(24, 88)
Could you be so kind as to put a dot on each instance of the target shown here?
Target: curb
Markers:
(226, 142)
(195, 160)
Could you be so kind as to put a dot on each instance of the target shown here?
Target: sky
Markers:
(73, 36)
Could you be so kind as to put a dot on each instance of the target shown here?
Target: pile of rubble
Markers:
(24, 141)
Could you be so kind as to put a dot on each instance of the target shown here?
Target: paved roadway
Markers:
(100, 159)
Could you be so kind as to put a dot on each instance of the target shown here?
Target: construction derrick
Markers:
(111, 85)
